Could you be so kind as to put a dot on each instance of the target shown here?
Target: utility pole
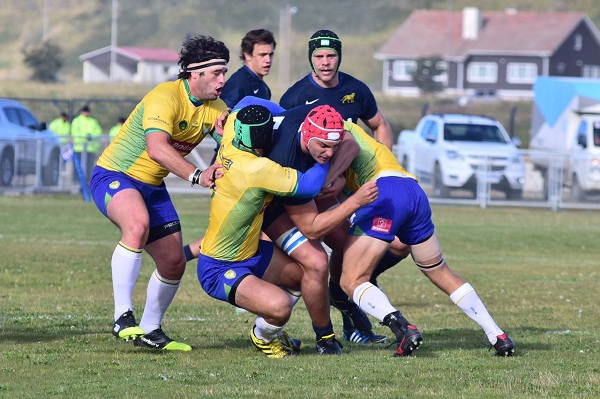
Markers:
(45, 12)
(285, 38)
(113, 40)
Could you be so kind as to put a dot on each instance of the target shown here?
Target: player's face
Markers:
(208, 84)
(325, 63)
(261, 59)
(322, 150)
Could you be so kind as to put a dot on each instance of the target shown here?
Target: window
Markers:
(403, 70)
(442, 77)
(590, 71)
(429, 132)
(517, 72)
(578, 44)
(482, 72)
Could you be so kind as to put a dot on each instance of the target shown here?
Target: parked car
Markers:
(452, 151)
(480, 95)
(24, 142)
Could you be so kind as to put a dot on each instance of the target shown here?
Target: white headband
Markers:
(205, 64)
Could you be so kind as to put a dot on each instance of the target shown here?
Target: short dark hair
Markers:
(200, 49)
(253, 38)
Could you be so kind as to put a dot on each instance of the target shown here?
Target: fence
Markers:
(537, 192)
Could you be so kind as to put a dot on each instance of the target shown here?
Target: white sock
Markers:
(372, 300)
(160, 295)
(125, 264)
(293, 295)
(265, 331)
(294, 298)
(469, 302)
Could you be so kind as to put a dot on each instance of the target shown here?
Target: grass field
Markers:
(537, 272)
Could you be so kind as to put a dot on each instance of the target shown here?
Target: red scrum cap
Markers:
(323, 123)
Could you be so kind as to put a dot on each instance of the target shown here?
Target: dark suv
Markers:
(25, 143)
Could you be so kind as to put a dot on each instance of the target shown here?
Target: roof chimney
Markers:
(471, 23)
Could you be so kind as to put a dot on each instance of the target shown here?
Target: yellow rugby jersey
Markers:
(237, 205)
(373, 160)
(166, 108)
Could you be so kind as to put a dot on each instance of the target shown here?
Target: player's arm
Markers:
(344, 154)
(158, 144)
(310, 182)
(315, 225)
(382, 131)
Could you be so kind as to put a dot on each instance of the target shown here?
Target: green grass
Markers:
(537, 271)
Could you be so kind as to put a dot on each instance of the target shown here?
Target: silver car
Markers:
(27, 147)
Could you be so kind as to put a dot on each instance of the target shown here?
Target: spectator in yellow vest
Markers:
(62, 127)
(112, 133)
(86, 134)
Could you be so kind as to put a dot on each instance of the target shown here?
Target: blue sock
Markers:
(323, 331)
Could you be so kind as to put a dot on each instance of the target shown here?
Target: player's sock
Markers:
(373, 301)
(265, 331)
(125, 265)
(160, 294)
(469, 302)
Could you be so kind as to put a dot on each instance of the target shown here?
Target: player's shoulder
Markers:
(297, 89)
(349, 80)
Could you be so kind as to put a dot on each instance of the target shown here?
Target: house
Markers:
(501, 52)
(131, 64)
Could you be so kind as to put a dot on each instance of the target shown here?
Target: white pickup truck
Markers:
(451, 151)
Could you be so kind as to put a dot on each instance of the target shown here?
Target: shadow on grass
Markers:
(449, 340)
(24, 336)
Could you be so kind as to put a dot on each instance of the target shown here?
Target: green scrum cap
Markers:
(253, 127)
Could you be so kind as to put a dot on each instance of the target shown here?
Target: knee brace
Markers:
(428, 254)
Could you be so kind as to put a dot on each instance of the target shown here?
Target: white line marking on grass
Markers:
(25, 240)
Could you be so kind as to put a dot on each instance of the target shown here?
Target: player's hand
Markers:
(210, 175)
(336, 186)
(220, 122)
(366, 194)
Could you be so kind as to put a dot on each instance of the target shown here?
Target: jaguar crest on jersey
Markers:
(349, 98)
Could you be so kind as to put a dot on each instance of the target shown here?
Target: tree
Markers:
(45, 59)
(424, 74)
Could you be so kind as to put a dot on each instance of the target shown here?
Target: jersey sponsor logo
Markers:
(114, 185)
(230, 274)
(381, 225)
(183, 125)
(255, 91)
(182, 146)
(349, 98)
(159, 120)
(311, 102)
(226, 163)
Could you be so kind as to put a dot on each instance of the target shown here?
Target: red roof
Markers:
(427, 33)
(152, 54)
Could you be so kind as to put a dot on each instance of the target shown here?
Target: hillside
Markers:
(79, 26)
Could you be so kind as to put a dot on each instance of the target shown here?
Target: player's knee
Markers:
(138, 229)
(315, 263)
(280, 310)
